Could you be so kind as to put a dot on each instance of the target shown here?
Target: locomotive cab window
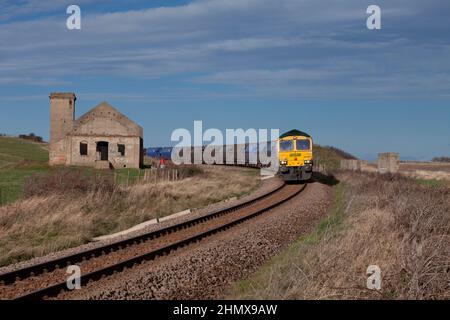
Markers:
(83, 149)
(286, 145)
(303, 145)
(121, 149)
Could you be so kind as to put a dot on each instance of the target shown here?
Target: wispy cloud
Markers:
(293, 48)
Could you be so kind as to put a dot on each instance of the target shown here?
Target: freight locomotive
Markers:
(295, 156)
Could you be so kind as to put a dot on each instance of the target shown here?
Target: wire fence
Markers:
(152, 175)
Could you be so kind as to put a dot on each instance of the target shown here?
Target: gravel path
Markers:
(205, 270)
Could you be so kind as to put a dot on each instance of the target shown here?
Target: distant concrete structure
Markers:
(362, 165)
(353, 164)
(349, 164)
(388, 162)
(103, 137)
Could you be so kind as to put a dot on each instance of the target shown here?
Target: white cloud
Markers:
(297, 47)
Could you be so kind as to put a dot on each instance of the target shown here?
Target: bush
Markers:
(340, 153)
(67, 182)
(187, 171)
(441, 159)
(31, 137)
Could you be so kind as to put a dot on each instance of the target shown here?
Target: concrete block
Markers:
(142, 226)
(353, 164)
(388, 162)
(349, 164)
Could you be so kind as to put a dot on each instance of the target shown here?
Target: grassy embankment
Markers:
(63, 207)
(391, 221)
(330, 157)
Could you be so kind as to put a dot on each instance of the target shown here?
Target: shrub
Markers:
(187, 171)
(441, 159)
(31, 137)
(67, 181)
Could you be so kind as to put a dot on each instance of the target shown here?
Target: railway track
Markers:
(48, 279)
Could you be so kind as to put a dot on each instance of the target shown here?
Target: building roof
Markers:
(295, 133)
(104, 109)
(63, 95)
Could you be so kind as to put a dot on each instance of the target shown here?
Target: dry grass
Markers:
(389, 221)
(430, 175)
(421, 170)
(52, 219)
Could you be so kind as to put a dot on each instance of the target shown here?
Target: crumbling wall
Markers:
(388, 162)
(353, 164)
(131, 159)
(349, 164)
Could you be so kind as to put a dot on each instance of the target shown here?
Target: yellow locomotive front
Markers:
(295, 156)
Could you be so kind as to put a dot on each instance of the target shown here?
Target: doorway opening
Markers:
(102, 148)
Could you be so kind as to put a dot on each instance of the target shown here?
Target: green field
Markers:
(18, 160)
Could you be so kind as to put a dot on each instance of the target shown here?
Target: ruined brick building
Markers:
(101, 138)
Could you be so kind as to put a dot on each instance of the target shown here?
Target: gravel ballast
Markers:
(204, 270)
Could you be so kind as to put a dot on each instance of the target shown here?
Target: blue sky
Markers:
(311, 65)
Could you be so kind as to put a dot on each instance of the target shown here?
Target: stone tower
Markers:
(62, 117)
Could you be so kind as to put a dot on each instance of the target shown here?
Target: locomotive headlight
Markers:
(308, 161)
(283, 162)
